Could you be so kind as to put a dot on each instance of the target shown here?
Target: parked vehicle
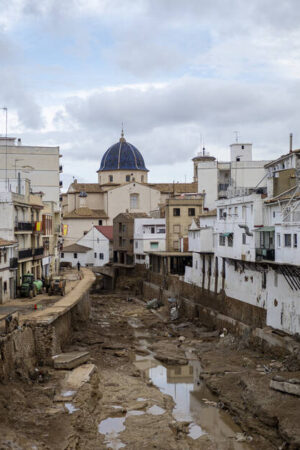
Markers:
(57, 286)
(30, 287)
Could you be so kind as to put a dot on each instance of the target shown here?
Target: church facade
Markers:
(122, 187)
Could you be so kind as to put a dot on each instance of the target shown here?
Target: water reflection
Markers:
(193, 401)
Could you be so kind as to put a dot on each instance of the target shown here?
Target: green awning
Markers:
(226, 234)
(270, 229)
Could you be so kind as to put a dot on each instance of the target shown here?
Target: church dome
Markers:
(122, 156)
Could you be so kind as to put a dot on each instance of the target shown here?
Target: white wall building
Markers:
(8, 268)
(93, 249)
(216, 177)
(149, 236)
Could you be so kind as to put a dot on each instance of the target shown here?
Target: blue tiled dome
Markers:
(122, 156)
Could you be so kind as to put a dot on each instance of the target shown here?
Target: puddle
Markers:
(111, 428)
(141, 399)
(156, 410)
(71, 408)
(68, 393)
(193, 401)
(135, 413)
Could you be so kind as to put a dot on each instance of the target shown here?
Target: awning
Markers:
(270, 229)
(226, 234)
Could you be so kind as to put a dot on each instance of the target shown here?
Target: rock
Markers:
(278, 378)
(294, 381)
(181, 339)
(286, 387)
(70, 360)
(120, 353)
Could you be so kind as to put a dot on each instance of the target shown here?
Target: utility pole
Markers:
(6, 178)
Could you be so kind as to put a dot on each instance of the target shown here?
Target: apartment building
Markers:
(149, 236)
(8, 270)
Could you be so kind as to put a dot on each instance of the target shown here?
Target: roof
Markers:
(169, 253)
(89, 188)
(5, 243)
(107, 231)
(212, 212)
(275, 161)
(85, 212)
(180, 188)
(76, 248)
(122, 156)
(128, 215)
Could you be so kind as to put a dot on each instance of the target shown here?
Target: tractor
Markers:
(30, 287)
(57, 286)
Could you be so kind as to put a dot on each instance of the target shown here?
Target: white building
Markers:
(8, 270)
(93, 249)
(216, 178)
(149, 236)
(40, 164)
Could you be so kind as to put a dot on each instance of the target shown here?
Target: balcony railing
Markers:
(13, 263)
(265, 254)
(26, 253)
(38, 251)
(24, 226)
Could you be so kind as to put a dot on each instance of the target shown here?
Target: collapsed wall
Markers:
(40, 335)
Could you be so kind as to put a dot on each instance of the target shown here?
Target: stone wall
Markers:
(200, 302)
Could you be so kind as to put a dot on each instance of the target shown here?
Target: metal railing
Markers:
(24, 226)
(13, 263)
(25, 253)
(38, 251)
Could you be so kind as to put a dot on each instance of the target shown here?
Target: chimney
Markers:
(291, 142)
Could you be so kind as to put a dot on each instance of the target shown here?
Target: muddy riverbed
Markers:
(156, 385)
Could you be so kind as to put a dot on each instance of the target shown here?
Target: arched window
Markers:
(111, 178)
(142, 178)
(127, 177)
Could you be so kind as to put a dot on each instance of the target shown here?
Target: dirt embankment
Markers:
(120, 406)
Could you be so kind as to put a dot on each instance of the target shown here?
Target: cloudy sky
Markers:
(175, 72)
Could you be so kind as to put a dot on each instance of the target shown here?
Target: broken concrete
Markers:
(286, 387)
(70, 360)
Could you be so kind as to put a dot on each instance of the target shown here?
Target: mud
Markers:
(157, 385)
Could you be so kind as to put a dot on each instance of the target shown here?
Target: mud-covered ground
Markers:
(122, 407)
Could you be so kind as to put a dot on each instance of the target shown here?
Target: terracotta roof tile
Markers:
(75, 248)
(85, 212)
(107, 231)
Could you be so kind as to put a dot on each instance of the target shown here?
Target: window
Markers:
(5, 286)
(274, 214)
(124, 228)
(136, 244)
(175, 245)
(120, 242)
(152, 230)
(153, 244)
(111, 178)
(244, 212)
(243, 147)
(238, 158)
(62, 255)
(75, 255)
(295, 240)
(101, 255)
(99, 222)
(221, 210)
(244, 238)
(142, 178)
(95, 255)
(127, 177)
(176, 212)
(120, 228)
(222, 240)
(191, 211)
(287, 240)
(161, 230)
(230, 240)
(84, 233)
(235, 211)
(278, 240)
(264, 280)
(5, 257)
(176, 228)
(134, 201)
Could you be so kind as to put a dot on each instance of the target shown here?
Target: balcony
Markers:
(13, 263)
(265, 254)
(39, 251)
(24, 226)
(25, 253)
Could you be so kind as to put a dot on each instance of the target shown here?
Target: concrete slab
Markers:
(70, 360)
(286, 387)
(79, 376)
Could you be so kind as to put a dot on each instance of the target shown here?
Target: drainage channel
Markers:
(194, 402)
